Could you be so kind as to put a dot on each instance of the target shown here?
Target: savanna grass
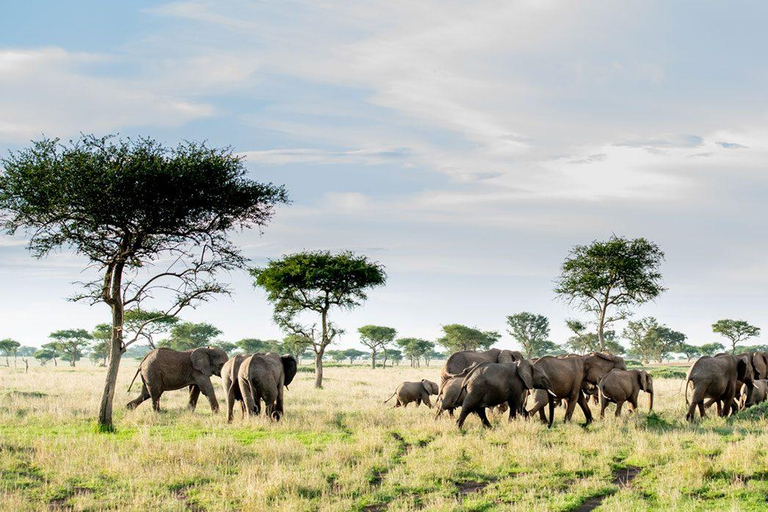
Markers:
(341, 449)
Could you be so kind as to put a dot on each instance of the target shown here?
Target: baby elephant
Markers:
(754, 394)
(621, 386)
(451, 396)
(417, 392)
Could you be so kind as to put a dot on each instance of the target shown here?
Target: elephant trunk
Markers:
(650, 401)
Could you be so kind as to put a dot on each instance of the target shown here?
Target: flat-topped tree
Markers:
(376, 337)
(9, 347)
(736, 331)
(152, 221)
(71, 342)
(608, 277)
(531, 331)
(461, 337)
(316, 282)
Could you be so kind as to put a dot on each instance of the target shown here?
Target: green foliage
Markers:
(45, 354)
(137, 352)
(652, 341)
(255, 345)
(26, 351)
(532, 332)
(710, 349)
(352, 354)
(690, 351)
(336, 355)
(583, 342)
(145, 325)
(668, 372)
(376, 337)
(294, 344)
(101, 336)
(461, 337)
(415, 348)
(611, 275)
(316, 282)
(735, 330)
(9, 347)
(226, 346)
(70, 343)
(189, 335)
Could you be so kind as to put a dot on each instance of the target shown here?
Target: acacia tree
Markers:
(376, 337)
(415, 348)
(689, 351)
(9, 347)
(352, 354)
(652, 341)
(189, 335)
(531, 331)
(71, 342)
(608, 277)
(315, 282)
(152, 221)
(584, 341)
(710, 349)
(294, 344)
(736, 331)
(460, 337)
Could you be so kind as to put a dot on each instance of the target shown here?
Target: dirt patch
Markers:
(59, 503)
(181, 495)
(376, 507)
(470, 487)
(621, 477)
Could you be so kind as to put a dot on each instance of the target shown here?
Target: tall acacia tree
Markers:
(376, 337)
(9, 347)
(316, 282)
(608, 277)
(736, 331)
(152, 221)
(71, 342)
(461, 337)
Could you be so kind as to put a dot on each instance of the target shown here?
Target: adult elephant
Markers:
(264, 377)
(493, 384)
(717, 378)
(164, 369)
(621, 386)
(569, 375)
(231, 385)
(450, 396)
(460, 361)
(754, 394)
(759, 362)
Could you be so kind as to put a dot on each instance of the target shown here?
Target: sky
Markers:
(465, 146)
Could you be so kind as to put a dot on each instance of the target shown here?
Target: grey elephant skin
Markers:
(164, 369)
(569, 376)
(718, 378)
(621, 386)
(754, 394)
(450, 397)
(231, 386)
(492, 384)
(418, 392)
(263, 377)
(460, 361)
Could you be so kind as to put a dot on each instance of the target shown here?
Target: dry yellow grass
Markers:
(341, 449)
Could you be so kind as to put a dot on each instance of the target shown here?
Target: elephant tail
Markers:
(687, 382)
(138, 370)
(391, 397)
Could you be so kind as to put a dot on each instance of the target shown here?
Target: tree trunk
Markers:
(115, 347)
(384, 364)
(26, 366)
(373, 358)
(319, 369)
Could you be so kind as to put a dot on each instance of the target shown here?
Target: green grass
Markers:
(341, 449)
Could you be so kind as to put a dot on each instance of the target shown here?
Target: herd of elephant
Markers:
(471, 380)
(477, 381)
(250, 379)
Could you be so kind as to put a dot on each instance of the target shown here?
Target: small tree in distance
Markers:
(189, 335)
(128, 205)
(531, 331)
(352, 354)
(710, 349)
(71, 342)
(652, 341)
(460, 337)
(8, 347)
(315, 282)
(376, 337)
(608, 278)
(736, 331)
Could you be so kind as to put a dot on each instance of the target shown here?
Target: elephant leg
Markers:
(462, 416)
(246, 389)
(194, 393)
(551, 402)
(279, 404)
(206, 388)
(143, 396)
(585, 407)
(156, 401)
(570, 408)
(427, 401)
(242, 409)
(230, 404)
(618, 407)
(603, 405)
(450, 413)
(483, 417)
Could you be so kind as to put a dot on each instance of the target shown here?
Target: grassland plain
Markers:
(341, 449)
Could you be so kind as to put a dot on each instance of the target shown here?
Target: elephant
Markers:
(569, 376)
(418, 392)
(754, 394)
(264, 377)
(164, 369)
(229, 382)
(460, 361)
(492, 384)
(759, 362)
(717, 378)
(450, 397)
(621, 386)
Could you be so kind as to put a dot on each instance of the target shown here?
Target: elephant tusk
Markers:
(551, 393)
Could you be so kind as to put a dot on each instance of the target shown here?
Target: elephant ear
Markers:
(525, 371)
(201, 361)
(289, 368)
(743, 369)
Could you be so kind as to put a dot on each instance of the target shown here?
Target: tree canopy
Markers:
(189, 335)
(459, 337)
(129, 205)
(71, 342)
(531, 331)
(376, 337)
(607, 278)
(652, 341)
(316, 282)
(415, 348)
(710, 349)
(735, 330)
(9, 347)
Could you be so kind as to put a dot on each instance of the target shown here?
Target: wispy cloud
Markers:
(731, 145)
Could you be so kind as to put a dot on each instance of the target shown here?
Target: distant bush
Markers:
(632, 363)
(668, 372)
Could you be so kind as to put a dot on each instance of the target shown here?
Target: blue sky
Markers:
(465, 146)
